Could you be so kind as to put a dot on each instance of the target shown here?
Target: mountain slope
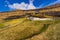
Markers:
(53, 10)
(20, 28)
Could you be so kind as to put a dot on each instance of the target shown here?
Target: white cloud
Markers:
(23, 6)
(31, 6)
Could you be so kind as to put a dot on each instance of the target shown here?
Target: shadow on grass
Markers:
(44, 28)
(14, 17)
(29, 35)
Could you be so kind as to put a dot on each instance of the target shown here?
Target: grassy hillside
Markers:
(24, 29)
(14, 25)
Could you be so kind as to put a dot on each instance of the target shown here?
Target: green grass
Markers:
(7, 23)
(2, 25)
(28, 29)
(49, 32)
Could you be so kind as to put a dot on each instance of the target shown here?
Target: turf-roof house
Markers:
(53, 10)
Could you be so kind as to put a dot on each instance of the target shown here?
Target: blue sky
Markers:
(8, 5)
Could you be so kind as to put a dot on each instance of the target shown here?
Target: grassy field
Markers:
(24, 29)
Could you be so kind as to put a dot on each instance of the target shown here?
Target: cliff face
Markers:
(53, 10)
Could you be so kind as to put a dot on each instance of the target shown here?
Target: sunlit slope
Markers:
(9, 23)
(23, 30)
(51, 33)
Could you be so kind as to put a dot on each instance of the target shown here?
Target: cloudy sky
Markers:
(8, 5)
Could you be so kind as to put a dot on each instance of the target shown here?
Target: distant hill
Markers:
(53, 10)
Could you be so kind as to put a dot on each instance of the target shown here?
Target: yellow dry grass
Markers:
(27, 30)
